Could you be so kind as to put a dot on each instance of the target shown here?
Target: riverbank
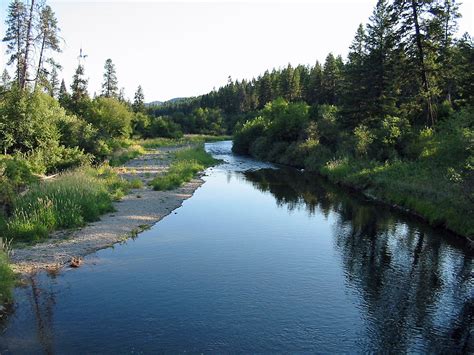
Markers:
(138, 210)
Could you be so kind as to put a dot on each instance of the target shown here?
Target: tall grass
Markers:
(7, 278)
(123, 155)
(186, 140)
(187, 163)
(69, 201)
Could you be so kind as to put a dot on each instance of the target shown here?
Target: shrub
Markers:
(248, 133)
(162, 127)
(111, 117)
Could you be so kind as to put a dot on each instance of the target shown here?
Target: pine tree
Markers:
(314, 92)
(15, 38)
(139, 100)
(355, 97)
(121, 95)
(63, 96)
(331, 79)
(265, 91)
(381, 60)
(109, 86)
(447, 16)
(48, 37)
(79, 94)
(53, 88)
(415, 36)
(6, 80)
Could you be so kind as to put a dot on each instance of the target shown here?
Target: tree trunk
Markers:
(27, 45)
(421, 54)
(40, 62)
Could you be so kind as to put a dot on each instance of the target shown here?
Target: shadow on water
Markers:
(402, 268)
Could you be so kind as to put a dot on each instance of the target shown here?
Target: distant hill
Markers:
(160, 103)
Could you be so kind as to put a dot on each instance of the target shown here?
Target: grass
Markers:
(69, 201)
(7, 279)
(123, 155)
(186, 140)
(424, 187)
(135, 184)
(187, 163)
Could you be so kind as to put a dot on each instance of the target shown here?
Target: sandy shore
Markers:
(140, 209)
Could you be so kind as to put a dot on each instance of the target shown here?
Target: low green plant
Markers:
(187, 163)
(135, 184)
(123, 155)
(68, 201)
(7, 278)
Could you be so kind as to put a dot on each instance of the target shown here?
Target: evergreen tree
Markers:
(48, 37)
(314, 91)
(6, 80)
(447, 15)
(53, 88)
(121, 95)
(79, 96)
(355, 97)
(381, 60)
(15, 38)
(139, 100)
(265, 90)
(416, 37)
(63, 96)
(331, 79)
(110, 84)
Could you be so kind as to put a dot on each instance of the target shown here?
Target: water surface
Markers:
(260, 259)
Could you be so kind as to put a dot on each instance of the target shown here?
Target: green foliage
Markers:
(27, 121)
(111, 117)
(7, 278)
(187, 163)
(248, 133)
(162, 127)
(186, 140)
(123, 155)
(65, 202)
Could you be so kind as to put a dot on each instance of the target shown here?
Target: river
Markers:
(260, 259)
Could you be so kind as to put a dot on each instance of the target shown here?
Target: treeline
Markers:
(394, 118)
(404, 62)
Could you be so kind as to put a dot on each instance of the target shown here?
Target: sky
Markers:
(186, 48)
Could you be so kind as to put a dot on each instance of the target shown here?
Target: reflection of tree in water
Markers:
(416, 288)
(43, 302)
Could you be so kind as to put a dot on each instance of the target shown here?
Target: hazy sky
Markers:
(179, 49)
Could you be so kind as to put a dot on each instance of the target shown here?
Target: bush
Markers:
(111, 117)
(28, 121)
(248, 133)
(162, 127)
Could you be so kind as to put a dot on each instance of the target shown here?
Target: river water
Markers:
(260, 259)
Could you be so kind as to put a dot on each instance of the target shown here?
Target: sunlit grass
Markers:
(187, 163)
(186, 140)
(69, 201)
